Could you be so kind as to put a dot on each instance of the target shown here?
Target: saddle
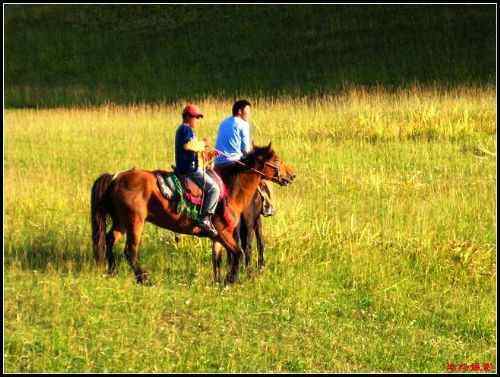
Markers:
(172, 185)
(189, 196)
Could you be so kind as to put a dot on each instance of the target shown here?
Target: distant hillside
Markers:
(89, 54)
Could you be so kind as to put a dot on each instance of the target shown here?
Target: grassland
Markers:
(382, 256)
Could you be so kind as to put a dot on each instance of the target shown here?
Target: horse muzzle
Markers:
(285, 181)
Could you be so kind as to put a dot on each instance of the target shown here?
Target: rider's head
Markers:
(241, 109)
(191, 114)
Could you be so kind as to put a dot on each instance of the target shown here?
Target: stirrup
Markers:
(268, 211)
(208, 226)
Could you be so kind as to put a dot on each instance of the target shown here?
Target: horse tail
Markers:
(99, 211)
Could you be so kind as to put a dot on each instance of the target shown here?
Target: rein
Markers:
(272, 164)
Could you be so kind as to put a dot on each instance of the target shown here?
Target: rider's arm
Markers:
(246, 144)
(195, 145)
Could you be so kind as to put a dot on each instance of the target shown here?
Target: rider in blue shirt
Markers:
(233, 140)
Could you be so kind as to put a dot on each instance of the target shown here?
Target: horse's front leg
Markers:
(216, 260)
(243, 236)
(247, 249)
(260, 242)
(227, 240)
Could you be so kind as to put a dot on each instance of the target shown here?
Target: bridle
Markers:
(262, 174)
(274, 164)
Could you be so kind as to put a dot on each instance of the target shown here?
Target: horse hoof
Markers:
(142, 278)
(230, 280)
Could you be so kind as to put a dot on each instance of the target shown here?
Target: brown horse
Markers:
(132, 198)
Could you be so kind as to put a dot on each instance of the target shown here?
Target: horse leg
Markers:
(241, 235)
(237, 234)
(231, 245)
(112, 237)
(216, 260)
(248, 243)
(260, 241)
(134, 232)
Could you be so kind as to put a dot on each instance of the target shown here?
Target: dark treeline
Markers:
(89, 54)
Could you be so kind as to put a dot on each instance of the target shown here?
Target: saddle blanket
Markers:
(171, 187)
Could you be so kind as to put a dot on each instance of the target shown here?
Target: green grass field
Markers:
(382, 255)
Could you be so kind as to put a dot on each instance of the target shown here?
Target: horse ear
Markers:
(268, 151)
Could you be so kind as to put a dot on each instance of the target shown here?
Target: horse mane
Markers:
(250, 160)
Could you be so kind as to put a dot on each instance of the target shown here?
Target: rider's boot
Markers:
(206, 224)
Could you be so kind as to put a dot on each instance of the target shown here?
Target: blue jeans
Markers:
(210, 188)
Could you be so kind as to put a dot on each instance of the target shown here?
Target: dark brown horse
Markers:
(132, 198)
(251, 225)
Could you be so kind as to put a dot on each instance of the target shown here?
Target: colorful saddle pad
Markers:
(188, 195)
(172, 187)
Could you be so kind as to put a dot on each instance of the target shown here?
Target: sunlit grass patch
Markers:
(381, 257)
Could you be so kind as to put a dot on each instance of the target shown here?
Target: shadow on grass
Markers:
(162, 260)
(45, 257)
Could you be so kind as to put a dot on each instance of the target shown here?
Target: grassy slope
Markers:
(64, 55)
(381, 257)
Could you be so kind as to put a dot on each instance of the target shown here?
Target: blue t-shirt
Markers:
(185, 161)
(233, 139)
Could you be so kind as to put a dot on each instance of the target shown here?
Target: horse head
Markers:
(271, 166)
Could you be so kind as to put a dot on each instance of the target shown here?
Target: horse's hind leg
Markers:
(134, 232)
(112, 237)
